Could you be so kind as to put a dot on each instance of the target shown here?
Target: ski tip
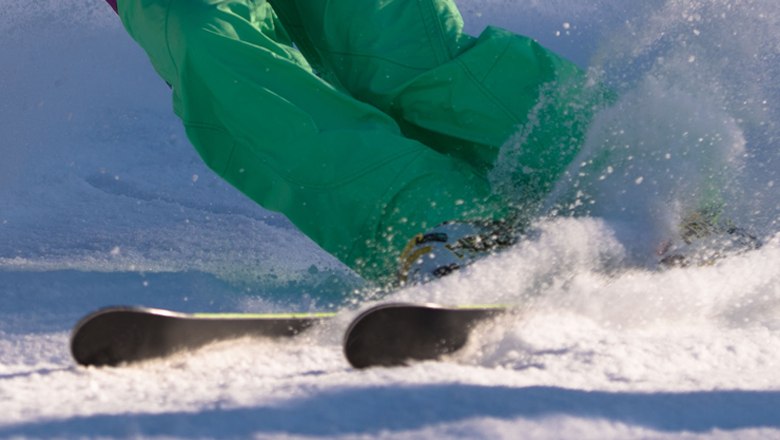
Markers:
(94, 340)
(394, 334)
(125, 334)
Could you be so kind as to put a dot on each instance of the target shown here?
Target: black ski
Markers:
(396, 333)
(118, 335)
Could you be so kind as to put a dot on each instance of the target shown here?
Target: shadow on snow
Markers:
(373, 410)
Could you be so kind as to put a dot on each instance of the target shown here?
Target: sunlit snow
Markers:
(103, 201)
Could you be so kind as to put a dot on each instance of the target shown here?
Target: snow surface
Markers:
(103, 201)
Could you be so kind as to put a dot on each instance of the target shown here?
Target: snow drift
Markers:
(103, 201)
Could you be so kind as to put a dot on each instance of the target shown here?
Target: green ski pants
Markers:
(365, 122)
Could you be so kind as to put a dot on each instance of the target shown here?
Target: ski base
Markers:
(394, 334)
(118, 335)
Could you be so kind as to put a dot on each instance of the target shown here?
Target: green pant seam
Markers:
(426, 18)
(377, 213)
(229, 158)
(487, 91)
(167, 36)
(440, 34)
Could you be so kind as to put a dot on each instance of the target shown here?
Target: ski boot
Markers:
(449, 247)
(704, 239)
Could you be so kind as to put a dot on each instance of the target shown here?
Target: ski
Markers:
(118, 335)
(394, 334)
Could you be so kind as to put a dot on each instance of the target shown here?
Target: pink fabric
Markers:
(112, 3)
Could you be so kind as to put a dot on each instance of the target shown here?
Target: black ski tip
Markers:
(127, 334)
(395, 334)
(109, 336)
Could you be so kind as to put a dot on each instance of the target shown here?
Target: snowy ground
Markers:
(102, 201)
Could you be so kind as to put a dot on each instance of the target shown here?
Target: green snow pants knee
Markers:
(364, 122)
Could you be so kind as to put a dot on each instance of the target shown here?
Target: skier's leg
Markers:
(338, 168)
(461, 95)
(374, 46)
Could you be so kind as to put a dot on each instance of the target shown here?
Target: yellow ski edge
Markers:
(304, 315)
(482, 307)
